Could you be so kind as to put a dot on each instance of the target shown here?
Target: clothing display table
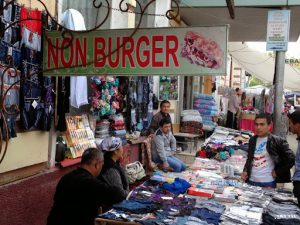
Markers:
(210, 192)
(100, 221)
(188, 138)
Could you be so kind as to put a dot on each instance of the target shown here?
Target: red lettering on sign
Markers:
(99, 61)
(145, 53)
(171, 51)
(156, 50)
(66, 62)
(127, 51)
(113, 64)
(80, 52)
(52, 53)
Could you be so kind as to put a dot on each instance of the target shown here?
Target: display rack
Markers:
(79, 135)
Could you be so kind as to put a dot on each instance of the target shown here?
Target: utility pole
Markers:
(277, 40)
(278, 101)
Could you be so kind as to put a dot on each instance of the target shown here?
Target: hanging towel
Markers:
(73, 20)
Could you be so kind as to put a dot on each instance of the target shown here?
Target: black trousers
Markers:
(296, 190)
(231, 121)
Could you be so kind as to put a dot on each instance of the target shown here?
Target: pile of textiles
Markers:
(151, 204)
(117, 127)
(179, 186)
(206, 105)
(239, 214)
(191, 122)
(282, 209)
(282, 213)
(102, 129)
(223, 143)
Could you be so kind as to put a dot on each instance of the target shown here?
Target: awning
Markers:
(262, 66)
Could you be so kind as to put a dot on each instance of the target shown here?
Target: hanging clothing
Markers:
(31, 39)
(63, 103)
(73, 20)
(33, 25)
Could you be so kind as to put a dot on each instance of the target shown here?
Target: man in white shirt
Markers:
(269, 157)
(233, 108)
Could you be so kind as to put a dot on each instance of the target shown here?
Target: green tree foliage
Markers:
(255, 81)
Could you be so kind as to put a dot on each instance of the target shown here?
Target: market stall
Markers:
(209, 192)
(206, 194)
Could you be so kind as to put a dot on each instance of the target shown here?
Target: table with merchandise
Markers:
(209, 192)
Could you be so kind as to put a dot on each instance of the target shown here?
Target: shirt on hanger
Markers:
(31, 40)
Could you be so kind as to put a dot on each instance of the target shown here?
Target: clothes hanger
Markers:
(31, 99)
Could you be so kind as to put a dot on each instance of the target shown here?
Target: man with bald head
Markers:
(79, 193)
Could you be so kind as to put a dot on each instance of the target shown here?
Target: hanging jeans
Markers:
(11, 126)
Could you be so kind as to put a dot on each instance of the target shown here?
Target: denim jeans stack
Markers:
(282, 213)
(242, 214)
(102, 129)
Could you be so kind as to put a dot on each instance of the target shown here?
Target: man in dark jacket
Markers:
(79, 193)
(269, 157)
(294, 122)
(162, 114)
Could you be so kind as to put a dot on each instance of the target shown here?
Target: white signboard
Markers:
(278, 30)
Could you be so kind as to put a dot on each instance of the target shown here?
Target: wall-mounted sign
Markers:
(278, 30)
(293, 62)
(157, 51)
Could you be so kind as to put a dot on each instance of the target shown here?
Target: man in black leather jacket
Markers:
(269, 157)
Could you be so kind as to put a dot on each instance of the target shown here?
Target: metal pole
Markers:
(278, 101)
(180, 97)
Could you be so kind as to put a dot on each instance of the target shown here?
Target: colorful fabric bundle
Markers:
(179, 186)
(191, 122)
(206, 105)
(105, 99)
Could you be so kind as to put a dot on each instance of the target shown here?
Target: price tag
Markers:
(34, 104)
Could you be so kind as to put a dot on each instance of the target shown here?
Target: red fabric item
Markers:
(117, 123)
(250, 125)
(200, 192)
(33, 25)
(247, 125)
(202, 154)
(118, 127)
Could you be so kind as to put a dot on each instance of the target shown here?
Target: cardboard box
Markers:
(176, 127)
(200, 192)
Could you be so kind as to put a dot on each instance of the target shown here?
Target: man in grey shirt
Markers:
(163, 147)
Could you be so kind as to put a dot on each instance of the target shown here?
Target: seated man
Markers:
(269, 157)
(164, 113)
(79, 194)
(163, 146)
